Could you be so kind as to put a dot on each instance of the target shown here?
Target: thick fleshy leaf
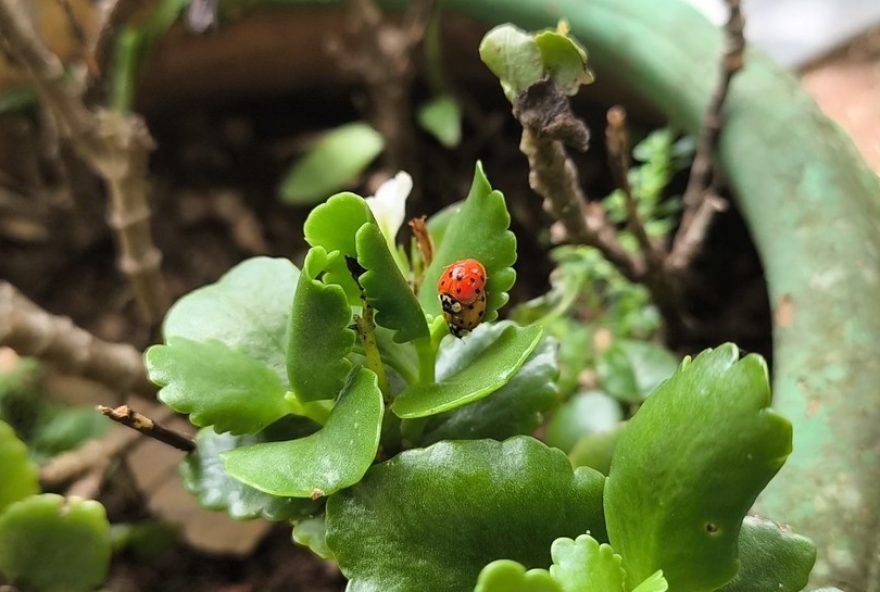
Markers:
(311, 533)
(564, 60)
(336, 160)
(629, 370)
(656, 582)
(689, 466)
(441, 117)
(204, 475)
(478, 230)
(513, 56)
(771, 559)
(319, 337)
(585, 565)
(247, 309)
(333, 225)
(331, 459)
(516, 408)
(386, 289)
(463, 380)
(597, 449)
(217, 386)
(53, 544)
(585, 413)
(505, 575)
(430, 519)
(19, 474)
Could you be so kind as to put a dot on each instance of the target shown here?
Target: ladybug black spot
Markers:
(482, 312)
(450, 274)
(478, 290)
(470, 307)
(458, 290)
(473, 281)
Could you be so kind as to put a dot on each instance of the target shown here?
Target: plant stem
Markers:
(373, 359)
(146, 426)
(31, 331)
(427, 354)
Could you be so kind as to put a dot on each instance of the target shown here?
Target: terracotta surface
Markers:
(847, 86)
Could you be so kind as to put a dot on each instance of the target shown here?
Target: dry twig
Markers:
(115, 146)
(148, 427)
(382, 55)
(31, 331)
(93, 454)
(700, 199)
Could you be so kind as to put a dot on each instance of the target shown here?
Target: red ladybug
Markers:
(462, 290)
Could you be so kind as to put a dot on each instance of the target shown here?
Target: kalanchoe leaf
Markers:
(479, 230)
(584, 565)
(19, 474)
(629, 370)
(505, 575)
(333, 225)
(386, 289)
(565, 61)
(247, 309)
(513, 56)
(441, 117)
(204, 475)
(319, 338)
(689, 466)
(656, 582)
(771, 559)
(311, 533)
(319, 465)
(52, 544)
(516, 408)
(217, 386)
(466, 380)
(597, 449)
(335, 161)
(430, 519)
(585, 413)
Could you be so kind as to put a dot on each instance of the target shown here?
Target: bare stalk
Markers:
(700, 201)
(31, 331)
(148, 427)
(113, 145)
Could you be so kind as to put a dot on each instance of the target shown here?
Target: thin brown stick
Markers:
(115, 146)
(70, 465)
(553, 176)
(31, 331)
(617, 140)
(699, 202)
(139, 422)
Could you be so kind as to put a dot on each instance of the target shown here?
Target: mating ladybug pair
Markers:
(462, 290)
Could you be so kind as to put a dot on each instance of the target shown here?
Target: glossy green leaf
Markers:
(331, 459)
(564, 60)
(689, 466)
(386, 289)
(19, 473)
(430, 519)
(217, 386)
(505, 575)
(204, 475)
(319, 337)
(336, 160)
(479, 230)
(516, 408)
(585, 413)
(311, 533)
(441, 117)
(771, 559)
(585, 565)
(629, 370)
(247, 309)
(333, 225)
(597, 449)
(53, 544)
(656, 582)
(513, 56)
(463, 380)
